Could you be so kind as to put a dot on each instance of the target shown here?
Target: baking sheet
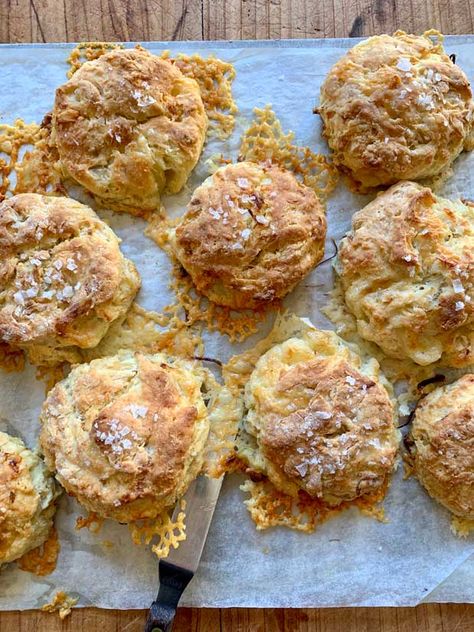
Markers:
(350, 560)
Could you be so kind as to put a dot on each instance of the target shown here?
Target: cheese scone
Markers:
(129, 126)
(320, 420)
(63, 278)
(407, 273)
(250, 234)
(27, 495)
(443, 450)
(125, 434)
(396, 108)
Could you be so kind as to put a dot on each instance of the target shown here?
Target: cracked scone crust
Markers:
(125, 434)
(407, 272)
(396, 108)
(128, 127)
(63, 278)
(320, 419)
(27, 495)
(250, 234)
(443, 455)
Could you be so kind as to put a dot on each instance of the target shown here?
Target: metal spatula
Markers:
(177, 570)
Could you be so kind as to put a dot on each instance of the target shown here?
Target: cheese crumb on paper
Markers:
(62, 603)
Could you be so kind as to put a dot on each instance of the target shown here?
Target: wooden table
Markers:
(121, 20)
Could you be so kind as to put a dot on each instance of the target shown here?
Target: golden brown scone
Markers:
(125, 434)
(443, 454)
(63, 278)
(27, 495)
(407, 272)
(320, 419)
(129, 126)
(250, 234)
(396, 108)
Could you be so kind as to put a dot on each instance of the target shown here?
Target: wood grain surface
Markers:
(122, 20)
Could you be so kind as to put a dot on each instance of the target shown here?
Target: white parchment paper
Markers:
(350, 560)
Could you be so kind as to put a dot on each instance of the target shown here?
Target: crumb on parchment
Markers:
(62, 603)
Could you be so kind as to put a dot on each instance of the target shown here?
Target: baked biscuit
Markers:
(320, 420)
(63, 279)
(125, 434)
(129, 126)
(443, 450)
(250, 234)
(407, 272)
(27, 495)
(396, 108)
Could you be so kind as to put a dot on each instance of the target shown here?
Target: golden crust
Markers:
(396, 108)
(125, 434)
(322, 420)
(250, 234)
(63, 278)
(407, 272)
(443, 456)
(129, 126)
(27, 495)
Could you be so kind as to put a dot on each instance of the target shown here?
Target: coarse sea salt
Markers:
(322, 414)
(302, 469)
(426, 100)
(213, 213)
(31, 292)
(138, 411)
(404, 409)
(143, 99)
(404, 64)
(458, 287)
(19, 298)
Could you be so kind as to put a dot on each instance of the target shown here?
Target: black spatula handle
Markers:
(173, 581)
